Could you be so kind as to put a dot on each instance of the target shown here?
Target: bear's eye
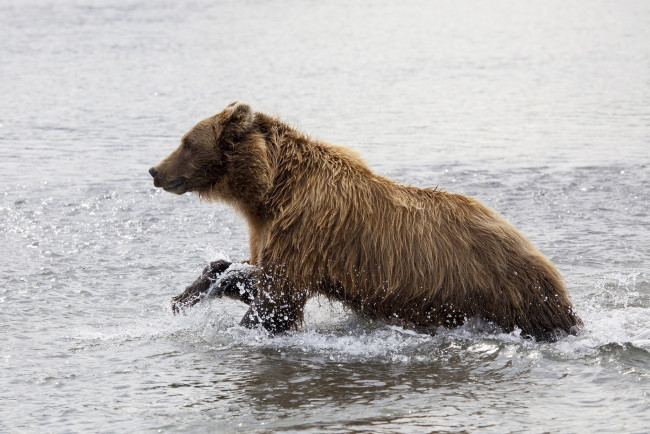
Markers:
(187, 145)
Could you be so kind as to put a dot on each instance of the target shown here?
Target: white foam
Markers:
(333, 331)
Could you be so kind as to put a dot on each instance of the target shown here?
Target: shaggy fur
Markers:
(322, 222)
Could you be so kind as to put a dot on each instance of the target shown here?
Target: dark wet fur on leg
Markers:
(237, 284)
(199, 287)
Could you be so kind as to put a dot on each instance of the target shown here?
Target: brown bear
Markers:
(321, 222)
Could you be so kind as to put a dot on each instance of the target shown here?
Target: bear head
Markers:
(200, 161)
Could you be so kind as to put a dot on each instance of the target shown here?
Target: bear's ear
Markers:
(239, 118)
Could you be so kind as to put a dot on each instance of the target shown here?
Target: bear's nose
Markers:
(153, 172)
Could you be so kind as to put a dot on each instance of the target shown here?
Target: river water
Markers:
(541, 109)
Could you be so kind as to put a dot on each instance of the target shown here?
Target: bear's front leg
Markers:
(218, 280)
(200, 286)
(277, 307)
(237, 282)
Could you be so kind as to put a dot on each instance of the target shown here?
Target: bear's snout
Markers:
(153, 172)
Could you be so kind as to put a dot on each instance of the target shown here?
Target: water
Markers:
(539, 109)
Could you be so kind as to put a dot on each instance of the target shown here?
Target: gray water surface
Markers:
(540, 109)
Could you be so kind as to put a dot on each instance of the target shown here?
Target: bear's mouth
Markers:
(176, 186)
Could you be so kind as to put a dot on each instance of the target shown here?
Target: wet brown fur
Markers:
(322, 222)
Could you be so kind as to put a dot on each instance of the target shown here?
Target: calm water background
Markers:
(541, 109)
